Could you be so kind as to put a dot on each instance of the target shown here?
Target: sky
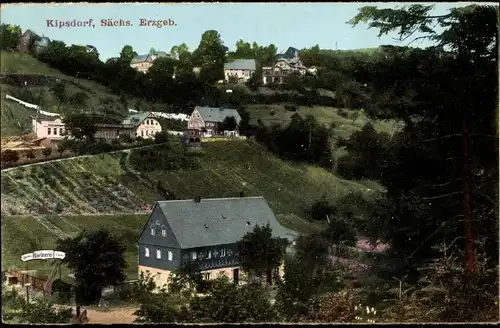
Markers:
(298, 25)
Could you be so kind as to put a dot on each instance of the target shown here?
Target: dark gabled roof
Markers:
(211, 114)
(248, 64)
(147, 58)
(29, 33)
(218, 221)
(288, 54)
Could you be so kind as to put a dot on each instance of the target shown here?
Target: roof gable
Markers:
(158, 222)
(246, 64)
(219, 221)
(137, 118)
(211, 114)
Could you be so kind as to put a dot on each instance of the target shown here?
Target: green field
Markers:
(344, 127)
(22, 235)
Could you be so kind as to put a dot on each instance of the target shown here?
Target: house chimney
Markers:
(197, 199)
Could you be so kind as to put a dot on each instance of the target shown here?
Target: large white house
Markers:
(240, 69)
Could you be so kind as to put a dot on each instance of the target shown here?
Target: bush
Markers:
(320, 209)
(343, 113)
(291, 108)
(9, 156)
(161, 137)
(126, 138)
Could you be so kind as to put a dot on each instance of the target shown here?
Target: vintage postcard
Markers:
(249, 163)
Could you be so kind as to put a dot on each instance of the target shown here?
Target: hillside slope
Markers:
(105, 183)
(18, 68)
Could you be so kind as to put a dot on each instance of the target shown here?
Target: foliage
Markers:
(10, 35)
(334, 307)
(79, 99)
(228, 124)
(30, 154)
(10, 156)
(97, 259)
(228, 303)
(340, 232)
(40, 311)
(161, 137)
(305, 277)
(303, 140)
(429, 174)
(80, 126)
(260, 252)
(46, 152)
(321, 209)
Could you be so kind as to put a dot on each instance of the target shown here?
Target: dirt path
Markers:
(80, 156)
(111, 316)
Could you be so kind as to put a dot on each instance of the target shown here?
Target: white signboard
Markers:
(43, 255)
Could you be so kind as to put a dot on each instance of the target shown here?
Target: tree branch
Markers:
(442, 196)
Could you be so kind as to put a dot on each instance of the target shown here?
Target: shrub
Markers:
(126, 138)
(291, 108)
(343, 113)
(161, 137)
(46, 152)
(9, 156)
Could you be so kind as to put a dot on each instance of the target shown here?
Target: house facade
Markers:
(206, 121)
(203, 233)
(142, 63)
(32, 42)
(144, 125)
(50, 127)
(240, 70)
(286, 64)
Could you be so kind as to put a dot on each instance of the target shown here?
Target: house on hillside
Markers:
(142, 63)
(206, 122)
(204, 232)
(240, 69)
(31, 42)
(50, 127)
(141, 124)
(285, 65)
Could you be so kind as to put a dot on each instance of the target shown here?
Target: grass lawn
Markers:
(325, 115)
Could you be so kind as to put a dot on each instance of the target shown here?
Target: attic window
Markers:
(152, 230)
(163, 231)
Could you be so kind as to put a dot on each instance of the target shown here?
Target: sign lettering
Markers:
(43, 255)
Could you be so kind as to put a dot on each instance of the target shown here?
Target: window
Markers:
(207, 276)
(223, 252)
(193, 256)
(142, 133)
(146, 252)
(117, 132)
(170, 256)
(163, 232)
(209, 254)
(48, 131)
(158, 254)
(61, 131)
(152, 230)
(147, 122)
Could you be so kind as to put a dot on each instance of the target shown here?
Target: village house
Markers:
(284, 67)
(204, 232)
(50, 127)
(32, 42)
(142, 63)
(143, 125)
(206, 122)
(240, 70)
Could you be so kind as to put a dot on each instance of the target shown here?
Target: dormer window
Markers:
(163, 231)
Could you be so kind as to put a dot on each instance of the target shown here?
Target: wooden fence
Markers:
(22, 278)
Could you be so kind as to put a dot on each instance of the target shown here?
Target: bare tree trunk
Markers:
(470, 263)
